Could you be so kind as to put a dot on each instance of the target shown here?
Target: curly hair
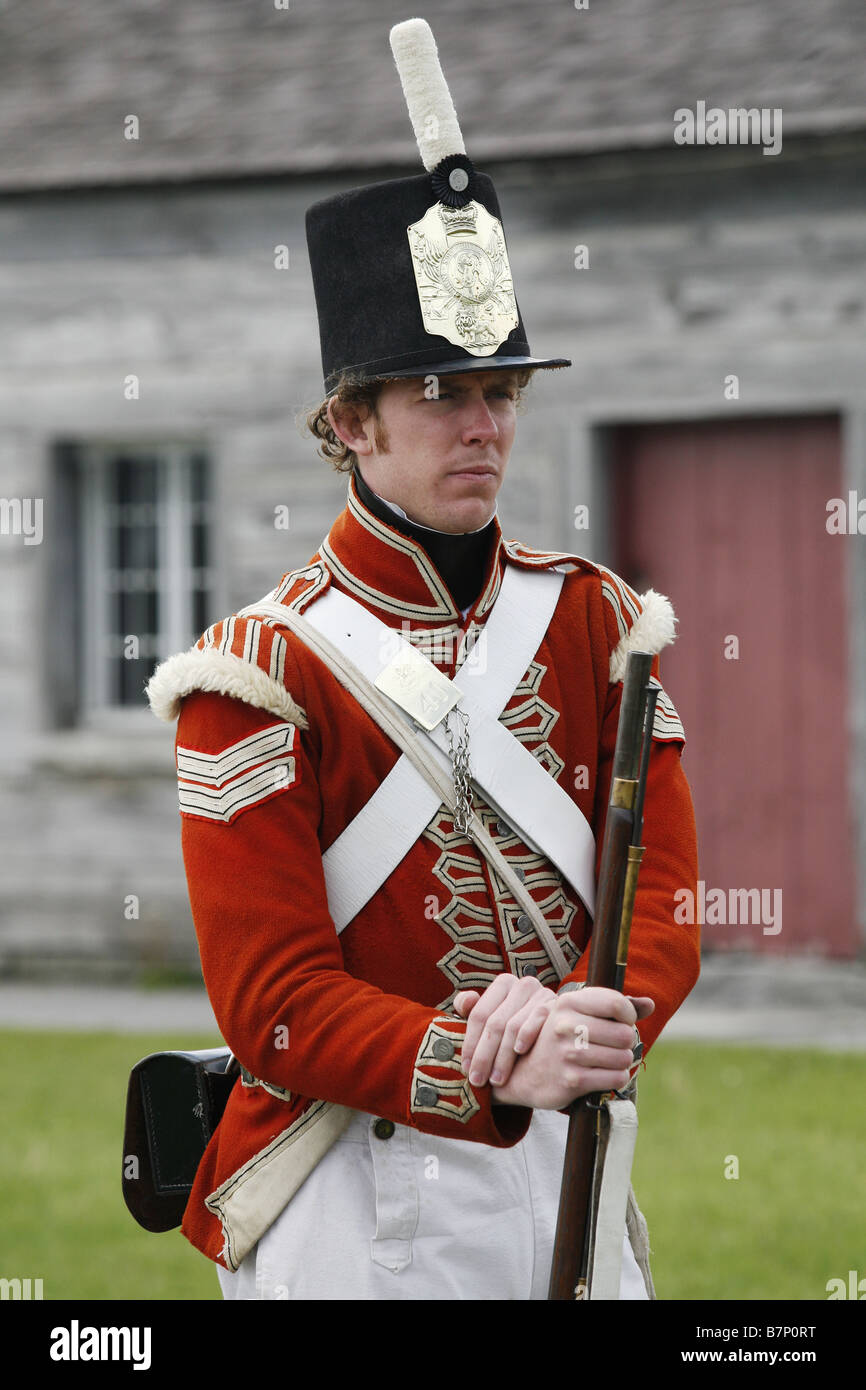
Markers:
(352, 390)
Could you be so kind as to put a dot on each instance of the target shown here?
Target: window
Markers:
(140, 562)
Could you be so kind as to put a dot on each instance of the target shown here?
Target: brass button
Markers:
(426, 1095)
(502, 828)
(443, 1049)
(383, 1129)
(524, 922)
(530, 970)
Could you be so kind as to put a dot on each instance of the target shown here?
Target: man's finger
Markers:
(603, 1032)
(465, 1001)
(597, 1080)
(499, 1029)
(519, 1037)
(487, 1049)
(644, 1006)
(600, 1002)
(487, 1004)
(592, 1057)
(529, 1029)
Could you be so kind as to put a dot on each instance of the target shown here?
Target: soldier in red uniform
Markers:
(397, 960)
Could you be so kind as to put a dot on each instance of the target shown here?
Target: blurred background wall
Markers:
(159, 340)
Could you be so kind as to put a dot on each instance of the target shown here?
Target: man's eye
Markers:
(447, 395)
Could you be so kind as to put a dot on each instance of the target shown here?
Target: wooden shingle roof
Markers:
(225, 89)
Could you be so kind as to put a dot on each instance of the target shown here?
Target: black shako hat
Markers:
(411, 276)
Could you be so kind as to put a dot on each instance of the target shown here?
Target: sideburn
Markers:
(383, 442)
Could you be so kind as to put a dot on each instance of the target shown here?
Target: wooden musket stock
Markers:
(620, 861)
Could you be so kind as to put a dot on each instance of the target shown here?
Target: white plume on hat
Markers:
(431, 109)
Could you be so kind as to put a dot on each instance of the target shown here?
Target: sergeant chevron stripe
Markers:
(218, 786)
(667, 723)
(215, 769)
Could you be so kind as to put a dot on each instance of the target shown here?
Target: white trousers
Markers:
(413, 1216)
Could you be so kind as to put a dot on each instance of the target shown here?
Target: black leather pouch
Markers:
(174, 1103)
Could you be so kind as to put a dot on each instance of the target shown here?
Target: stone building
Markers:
(159, 341)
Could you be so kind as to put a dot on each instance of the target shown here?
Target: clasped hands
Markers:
(542, 1049)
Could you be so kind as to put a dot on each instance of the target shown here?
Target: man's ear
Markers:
(352, 426)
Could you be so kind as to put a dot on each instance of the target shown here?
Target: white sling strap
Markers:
(514, 782)
(619, 1138)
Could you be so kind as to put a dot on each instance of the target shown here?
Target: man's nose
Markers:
(478, 422)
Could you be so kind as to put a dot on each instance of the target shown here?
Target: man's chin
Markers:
(469, 515)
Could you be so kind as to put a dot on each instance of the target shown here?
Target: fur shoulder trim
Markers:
(654, 627)
(240, 657)
(646, 623)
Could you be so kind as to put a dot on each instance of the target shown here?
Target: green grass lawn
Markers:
(62, 1214)
(795, 1121)
(794, 1218)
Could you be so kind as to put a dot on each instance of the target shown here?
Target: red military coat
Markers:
(275, 758)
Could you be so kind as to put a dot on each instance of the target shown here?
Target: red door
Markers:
(728, 519)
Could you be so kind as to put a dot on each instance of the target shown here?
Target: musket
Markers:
(617, 883)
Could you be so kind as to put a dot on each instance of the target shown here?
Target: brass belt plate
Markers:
(418, 688)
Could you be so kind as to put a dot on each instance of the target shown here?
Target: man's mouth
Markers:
(480, 472)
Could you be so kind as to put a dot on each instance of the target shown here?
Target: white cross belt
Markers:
(513, 781)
